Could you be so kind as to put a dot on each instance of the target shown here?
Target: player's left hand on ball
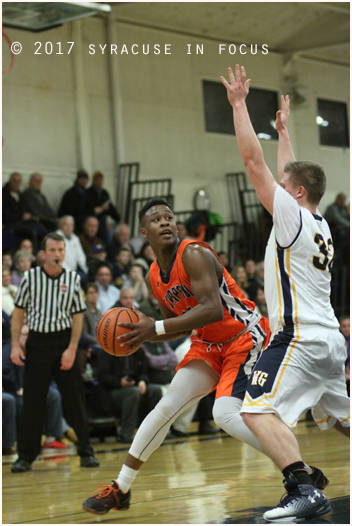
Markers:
(139, 333)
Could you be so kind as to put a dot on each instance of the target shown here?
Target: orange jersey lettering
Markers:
(175, 292)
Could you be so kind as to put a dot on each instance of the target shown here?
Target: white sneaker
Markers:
(302, 501)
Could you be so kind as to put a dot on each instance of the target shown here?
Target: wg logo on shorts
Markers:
(259, 377)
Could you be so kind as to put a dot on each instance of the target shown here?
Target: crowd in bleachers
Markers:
(112, 267)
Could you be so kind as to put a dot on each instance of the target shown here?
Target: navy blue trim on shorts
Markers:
(270, 361)
(240, 384)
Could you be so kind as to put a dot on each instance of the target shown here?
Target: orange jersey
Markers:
(175, 292)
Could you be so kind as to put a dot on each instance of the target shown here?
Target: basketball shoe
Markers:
(110, 497)
(302, 501)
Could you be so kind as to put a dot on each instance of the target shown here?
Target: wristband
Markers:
(159, 327)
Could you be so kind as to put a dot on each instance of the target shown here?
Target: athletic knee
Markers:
(167, 408)
(219, 416)
(226, 414)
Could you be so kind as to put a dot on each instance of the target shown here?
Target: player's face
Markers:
(54, 253)
(160, 226)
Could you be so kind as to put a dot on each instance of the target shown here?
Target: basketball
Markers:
(108, 330)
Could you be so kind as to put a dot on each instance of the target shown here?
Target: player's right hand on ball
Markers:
(139, 332)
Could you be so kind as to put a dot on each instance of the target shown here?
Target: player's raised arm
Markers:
(284, 152)
(248, 143)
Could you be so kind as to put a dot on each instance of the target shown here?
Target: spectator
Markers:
(108, 294)
(27, 245)
(43, 218)
(97, 203)
(345, 331)
(121, 266)
(12, 206)
(150, 306)
(224, 258)
(136, 281)
(181, 230)
(338, 216)
(12, 382)
(239, 274)
(13, 216)
(23, 261)
(72, 203)
(126, 298)
(145, 257)
(120, 238)
(250, 268)
(257, 282)
(75, 258)
(124, 390)
(8, 292)
(7, 261)
(8, 424)
(88, 346)
(162, 362)
(98, 257)
(89, 238)
(260, 302)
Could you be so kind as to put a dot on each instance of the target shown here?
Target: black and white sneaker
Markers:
(303, 501)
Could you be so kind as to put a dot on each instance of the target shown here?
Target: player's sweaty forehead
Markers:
(157, 209)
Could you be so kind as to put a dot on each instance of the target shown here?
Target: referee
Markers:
(52, 298)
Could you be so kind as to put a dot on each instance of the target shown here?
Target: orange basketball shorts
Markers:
(232, 361)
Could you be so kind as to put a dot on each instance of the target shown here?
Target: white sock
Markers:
(48, 440)
(126, 478)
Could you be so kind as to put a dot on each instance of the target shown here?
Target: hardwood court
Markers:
(201, 480)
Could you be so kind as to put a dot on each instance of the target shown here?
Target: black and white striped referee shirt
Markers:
(50, 301)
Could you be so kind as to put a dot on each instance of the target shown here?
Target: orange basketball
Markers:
(108, 330)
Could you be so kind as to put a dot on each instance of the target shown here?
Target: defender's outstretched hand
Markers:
(238, 88)
(282, 115)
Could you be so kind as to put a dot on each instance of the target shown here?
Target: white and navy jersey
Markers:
(298, 262)
(50, 301)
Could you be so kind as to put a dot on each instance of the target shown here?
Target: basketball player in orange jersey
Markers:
(194, 290)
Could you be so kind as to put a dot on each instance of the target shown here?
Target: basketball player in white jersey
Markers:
(303, 365)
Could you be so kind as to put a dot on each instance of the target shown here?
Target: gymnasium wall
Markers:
(64, 112)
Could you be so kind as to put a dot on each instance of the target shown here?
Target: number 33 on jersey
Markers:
(298, 276)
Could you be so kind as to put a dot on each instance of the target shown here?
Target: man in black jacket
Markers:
(123, 387)
(97, 203)
(72, 203)
(13, 215)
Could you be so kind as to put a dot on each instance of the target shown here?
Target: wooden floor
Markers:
(212, 479)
